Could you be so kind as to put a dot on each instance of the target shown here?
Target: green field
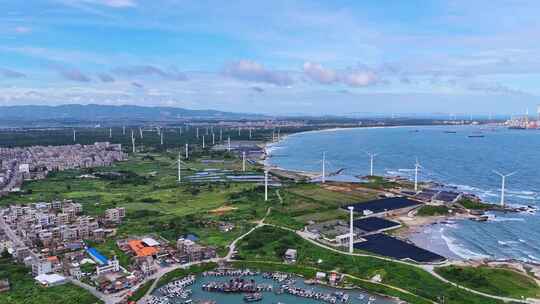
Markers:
(24, 289)
(495, 281)
(268, 244)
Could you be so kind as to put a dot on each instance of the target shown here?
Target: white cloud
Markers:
(253, 71)
(350, 77)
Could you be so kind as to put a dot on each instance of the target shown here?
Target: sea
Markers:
(464, 157)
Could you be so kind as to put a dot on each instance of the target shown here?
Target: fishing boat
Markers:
(253, 297)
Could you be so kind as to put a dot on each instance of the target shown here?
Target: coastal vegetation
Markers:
(429, 210)
(474, 205)
(496, 281)
(267, 244)
(25, 290)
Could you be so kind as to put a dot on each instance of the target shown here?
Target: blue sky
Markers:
(276, 57)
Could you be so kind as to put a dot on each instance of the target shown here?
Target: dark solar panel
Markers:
(388, 246)
(371, 224)
(380, 205)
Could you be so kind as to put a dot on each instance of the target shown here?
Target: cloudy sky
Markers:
(313, 57)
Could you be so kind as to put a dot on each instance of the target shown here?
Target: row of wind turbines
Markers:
(417, 168)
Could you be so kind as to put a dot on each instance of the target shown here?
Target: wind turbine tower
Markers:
(416, 169)
(249, 133)
(229, 144)
(133, 141)
(323, 176)
(238, 131)
(197, 133)
(187, 150)
(351, 232)
(179, 161)
(110, 132)
(74, 136)
(503, 184)
(161, 134)
(140, 133)
(221, 134)
(203, 144)
(213, 139)
(244, 161)
(371, 159)
(266, 185)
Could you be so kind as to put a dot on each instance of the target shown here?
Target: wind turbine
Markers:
(110, 132)
(140, 133)
(74, 136)
(179, 161)
(203, 144)
(123, 130)
(323, 176)
(133, 141)
(244, 161)
(416, 169)
(229, 144)
(371, 158)
(197, 133)
(351, 231)
(503, 184)
(187, 150)
(266, 185)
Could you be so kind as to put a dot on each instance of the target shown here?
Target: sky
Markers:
(274, 57)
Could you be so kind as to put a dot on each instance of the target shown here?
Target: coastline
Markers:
(418, 230)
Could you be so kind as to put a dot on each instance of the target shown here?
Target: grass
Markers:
(179, 273)
(269, 243)
(141, 291)
(495, 281)
(428, 210)
(474, 205)
(24, 289)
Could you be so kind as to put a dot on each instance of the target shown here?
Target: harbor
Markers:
(247, 286)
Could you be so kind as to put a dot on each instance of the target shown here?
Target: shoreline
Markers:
(416, 229)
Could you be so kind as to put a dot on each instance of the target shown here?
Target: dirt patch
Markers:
(222, 210)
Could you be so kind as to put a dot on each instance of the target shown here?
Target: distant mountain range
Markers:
(98, 113)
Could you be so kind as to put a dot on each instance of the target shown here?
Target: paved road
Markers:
(232, 248)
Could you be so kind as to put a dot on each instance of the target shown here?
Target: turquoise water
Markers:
(271, 297)
(452, 158)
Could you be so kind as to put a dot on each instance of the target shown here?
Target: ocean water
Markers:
(356, 296)
(451, 158)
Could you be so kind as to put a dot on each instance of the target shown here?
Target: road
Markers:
(110, 299)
